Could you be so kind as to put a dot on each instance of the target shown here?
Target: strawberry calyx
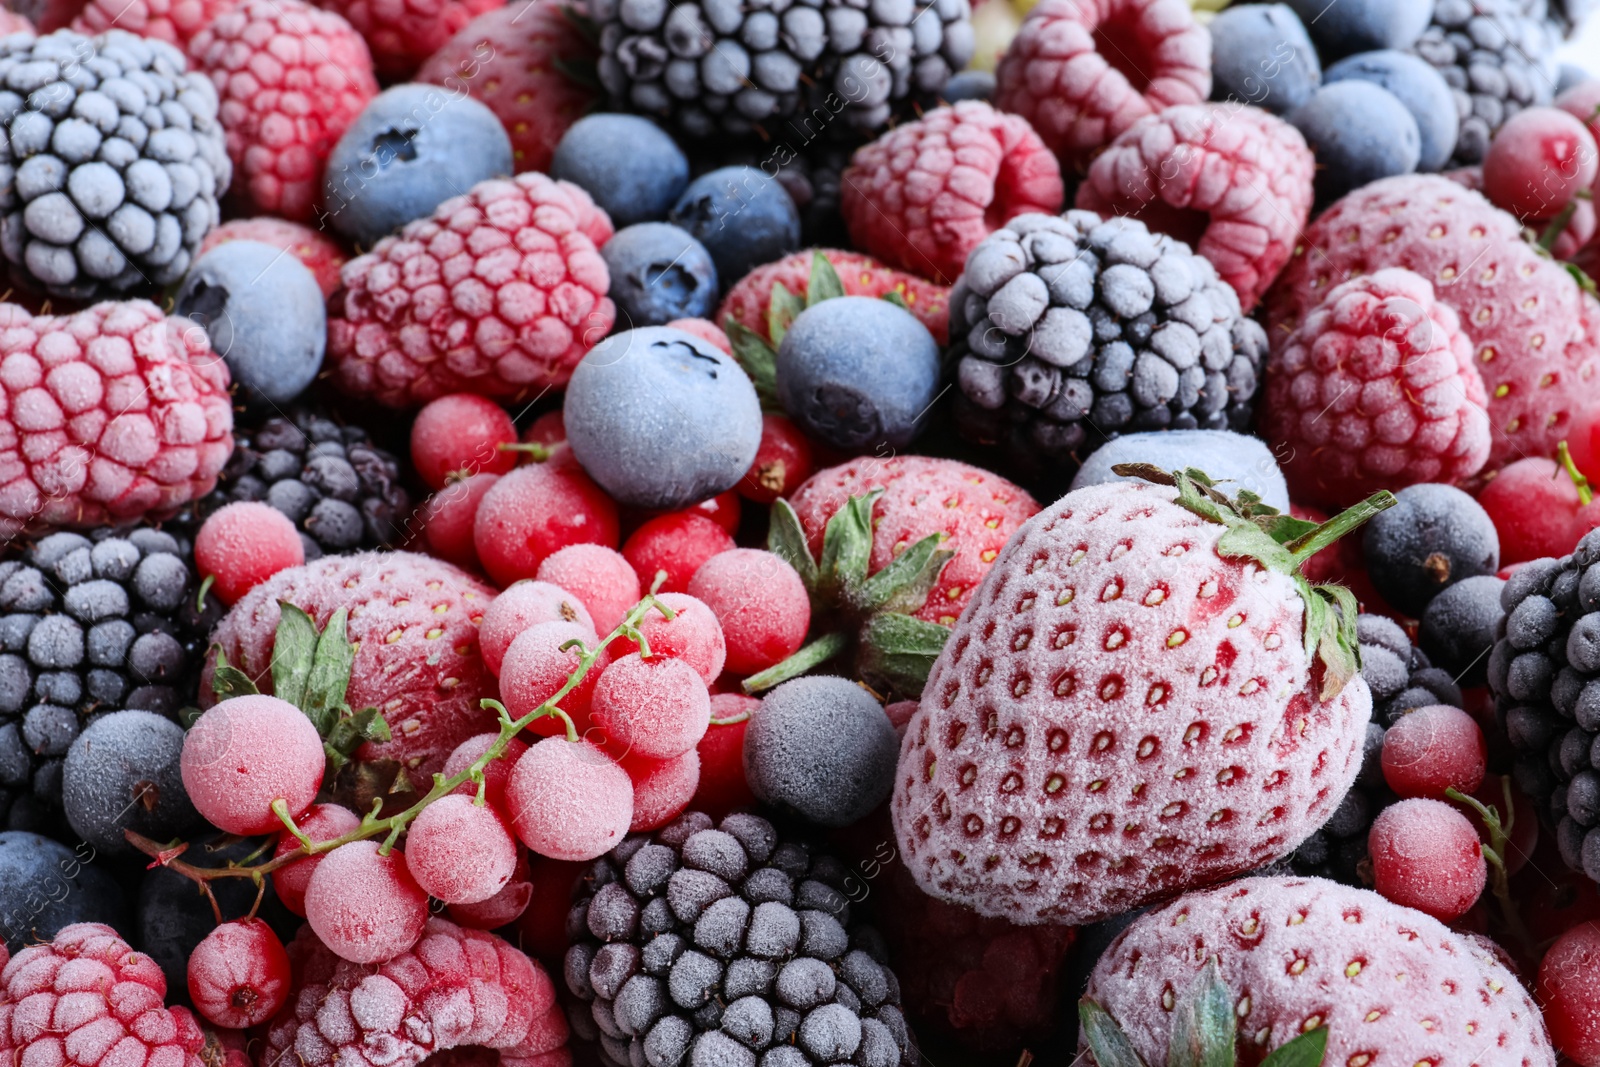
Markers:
(894, 650)
(1204, 1032)
(1282, 543)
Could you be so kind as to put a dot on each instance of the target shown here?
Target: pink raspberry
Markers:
(173, 21)
(1376, 389)
(924, 194)
(321, 255)
(1081, 98)
(403, 33)
(87, 998)
(291, 77)
(1232, 181)
(499, 292)
(106, 416)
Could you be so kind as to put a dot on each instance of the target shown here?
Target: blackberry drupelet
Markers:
(728, 946)
(1401, 680)
(721, 67)
(339, 489)
(89, 627)
(1497, 60)
(1068, 331)
(113, 161)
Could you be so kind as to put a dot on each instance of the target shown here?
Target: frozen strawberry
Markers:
(750, 297)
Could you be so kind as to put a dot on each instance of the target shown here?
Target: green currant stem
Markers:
(1552, 231)
(539, 453)
(205, 587)
(1494, 855)
(1585, 492)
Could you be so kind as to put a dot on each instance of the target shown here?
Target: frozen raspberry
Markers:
(656, 708)
(499, 292)
(239, 975)
(88, 998)
(723, 786)
(569, 800)
(747, 302)
(291, 77)
(1232, 182)
(1375, 389)
(1433, 749)
(242, 545)
(535, 511)
(455, 989)
(511, 60)
(246, 752)
(926, 193)
(676, 544)
(1426, 855)
(760, 603)
(173, 21)
(1082, 72)
(402, 35)
(321, 255)
(365, 905)
(14, 22)
(706, 330)
(782, 462)
(1533, 330)
(505, 906)
(522, 605)
(322, 822)
(445, 523)
(495, 775)
(662, 788)
(693, 635)
(1569, 989)
(460, 435)
(535, 669)
(601, 577)
(459, 851)
(106, 415)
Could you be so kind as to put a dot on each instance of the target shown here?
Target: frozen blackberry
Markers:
(113, 160)
(89, 626)
(725, 67)
(1068, 331)
(1401, 680)
(1497, 60)
(339, 489)
(728, 946)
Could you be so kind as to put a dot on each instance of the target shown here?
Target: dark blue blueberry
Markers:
(631, 167)
(821, 746)
(122, 773)
(1433, 537)
(1360, 132)
(1261, 55)
(1238, 460)
(743, 217)
(44, 885)
(1345, 27)
(1420, 87)
(968, 85)
(659, 273)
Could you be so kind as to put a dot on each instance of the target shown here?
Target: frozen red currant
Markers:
(461, 434)
(761, 604)
(242, 545)
(246, 752)
(239, 974)
(569, 800)
(365, 905)
(1426, 855)
(676, 545)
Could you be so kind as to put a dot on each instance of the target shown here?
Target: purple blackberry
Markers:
(720, 944)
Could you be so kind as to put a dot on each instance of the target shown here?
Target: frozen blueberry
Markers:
(822, 747)
(44, 886)
(661, 419)
(1261, 55)
(743, 217)
(1419, 86)
(263, 311)
(1234, 460)
(659, 273)
(412, 148)
(1433, 537)
(858, 373)
(628, 164)
(1345, 27)
(1360, 132)
(122, 773)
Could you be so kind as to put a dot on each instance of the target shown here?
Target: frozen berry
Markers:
(675, 544)
(569, 800)
(601, 577)
(365, 905)
(239, 975)
(460, 851)
(523, 605)
(821, 746)
(1433, 537)
(242, 545)
(782, 463)
(1538, 161)
(536, 667)
(632, 168)
(322, 822)
(662, 788)
(495, 775)
(722, 782)
(1569, 991)
(658, 274)
(246, 752)
(656, 708)
(1360, 133)
(1433, 749)
(722, 509)
(121, 773)
(693, 635)
(535, 511)
(1426, 855)
(543, 925)
(461, 434)
(1536, 510)
(761, 604)
(502, 908)
(446, 520)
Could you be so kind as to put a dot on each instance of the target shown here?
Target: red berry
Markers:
(323, 822)
(1535, 509)
(782, 461)
(242, 545)
(460, 851)
(760, 603)
(544, 925)
(321, 254)
(662, 788)
(523, 605)
(900, 713)
(536, 668)
(1433, 749)
(239, 975)
(706, 330)
(677, 543)
(461, 433)
(495, 775)
(1538, 161)
(363, 905)
(722, 509)
(722, 782)
(246, 752)
(601, 577)
(1426, 855)
(447, 519)
(1582, 101)
(537, 510)
(569, 800)
(693, 635)
(656, 708)
(505, 906)
(1569, 991)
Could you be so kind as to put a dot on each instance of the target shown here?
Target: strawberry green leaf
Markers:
(1304, 1051)
(293, 647)
(1284, 528)
(786, 539)
(1105, 1038)
(847, 547)
(824, 283)
(903, 586)
(757, 358)
(1338, 647)
(330, 674)
(1203, 1029)
(188, 716)
(1309, 544)
(229, 681)
(815, 654)
(898, 651)
(782, 309)
(581, 72)
(894, 297)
